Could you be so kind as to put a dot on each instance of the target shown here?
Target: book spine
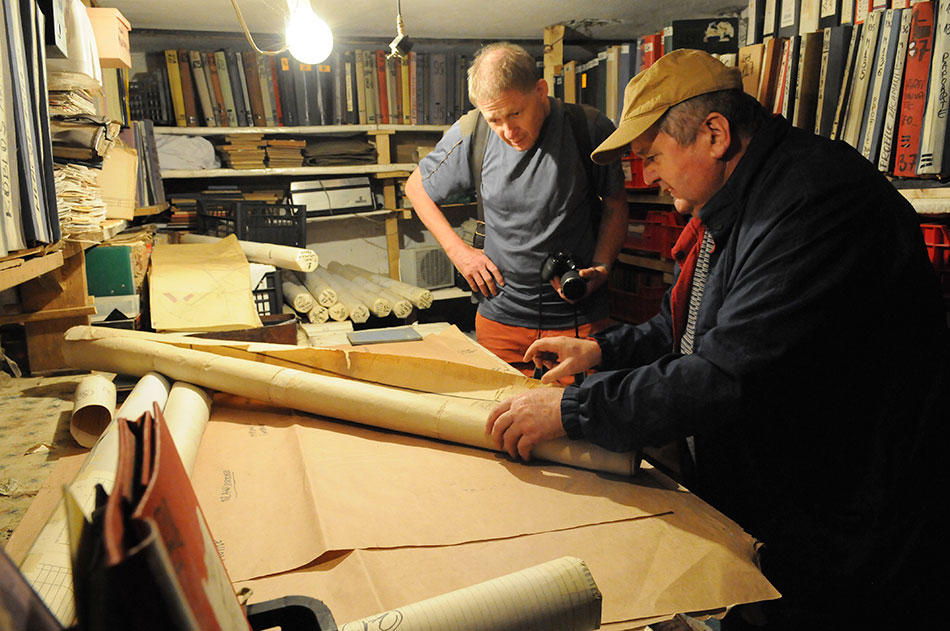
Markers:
(188, 90)
(273, 79)
(236, 92)
(871, 118)
(837, 126)
(933, 134)
(201, 87)
(369, 83)
(859, 89)
(256, 98)
(267, 95)
(407, 87)
(894, 92)
(230, 110)
(174, 80)
(248, 115)
(382, 91)
(914, 97)
(820, 114)
(217, 96)
(359, 82)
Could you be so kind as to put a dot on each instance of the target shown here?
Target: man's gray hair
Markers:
(744, 113)
(499, 67)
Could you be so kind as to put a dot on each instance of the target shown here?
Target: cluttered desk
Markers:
(361, 476)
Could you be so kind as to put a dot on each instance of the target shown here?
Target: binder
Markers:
(217, 94)
(224, 78)
(256, 97)
(174, 82)
(894, 85)
(870, 140)
(202, 88)
(285, 85)
(834, 56)
(914, 98)
(239, 66)
(382, 88)
(237, 90)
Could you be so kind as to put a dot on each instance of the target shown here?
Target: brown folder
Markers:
(188, 89)
(249, 61)
(217, 94)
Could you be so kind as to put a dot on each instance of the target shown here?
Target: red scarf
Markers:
(685, 252)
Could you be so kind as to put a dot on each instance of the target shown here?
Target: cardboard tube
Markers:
(424, 414)
(285, 256)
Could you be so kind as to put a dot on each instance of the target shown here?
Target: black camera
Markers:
(561, 264)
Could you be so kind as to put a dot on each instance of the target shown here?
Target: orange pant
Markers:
(510, 342)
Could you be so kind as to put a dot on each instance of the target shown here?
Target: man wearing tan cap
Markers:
(800, 357)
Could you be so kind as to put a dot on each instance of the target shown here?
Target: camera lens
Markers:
(573, 285)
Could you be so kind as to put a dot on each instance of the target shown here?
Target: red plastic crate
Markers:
(636, 297)
(633, 174)
(937, 240)
(657, 233)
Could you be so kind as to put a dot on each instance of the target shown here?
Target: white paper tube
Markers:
(320, 289)
(295, 294)
(186, 413)
(358, 312)
(401, 307)
(559, 595)
(284, 256)
(93, 408)
(379, 306)
(422, 298)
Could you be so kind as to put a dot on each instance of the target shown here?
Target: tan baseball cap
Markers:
(673, 78)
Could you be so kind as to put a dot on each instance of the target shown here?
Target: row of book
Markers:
(600, 82)
(29, 214)
(785, 18)
(231, 88)
(880, 85)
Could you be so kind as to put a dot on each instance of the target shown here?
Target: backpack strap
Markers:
(473, 123)
(582, 118)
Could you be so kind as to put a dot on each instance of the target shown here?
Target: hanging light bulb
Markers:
(309, 38)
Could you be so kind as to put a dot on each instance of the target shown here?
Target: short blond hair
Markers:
(499, 67)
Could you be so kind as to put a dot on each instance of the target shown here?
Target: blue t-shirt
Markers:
(536, 202)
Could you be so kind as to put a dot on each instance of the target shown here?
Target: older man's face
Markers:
(517, 116)
(690, 173)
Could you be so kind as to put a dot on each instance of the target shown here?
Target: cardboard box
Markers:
(112, 37)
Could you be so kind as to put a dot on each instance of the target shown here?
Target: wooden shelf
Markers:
(364, 169)
(401, 214)
(14, 272)
(312, 130)
(929, 201)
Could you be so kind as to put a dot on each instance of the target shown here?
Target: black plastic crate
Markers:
(283, 224)
(268, 296)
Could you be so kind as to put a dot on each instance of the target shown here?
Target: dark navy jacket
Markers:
(811, 390)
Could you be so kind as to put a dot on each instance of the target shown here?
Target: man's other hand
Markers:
(481, 274)
(563, 356)
(518, 424)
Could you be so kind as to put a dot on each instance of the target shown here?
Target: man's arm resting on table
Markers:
(478, 269)
(518, 424)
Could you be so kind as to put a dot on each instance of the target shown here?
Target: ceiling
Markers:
(616, 20)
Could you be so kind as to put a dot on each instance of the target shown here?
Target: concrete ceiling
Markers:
(441, 19)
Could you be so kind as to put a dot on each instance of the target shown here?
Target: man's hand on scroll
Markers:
(481, 274)
(518, 424)
(563, 356)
